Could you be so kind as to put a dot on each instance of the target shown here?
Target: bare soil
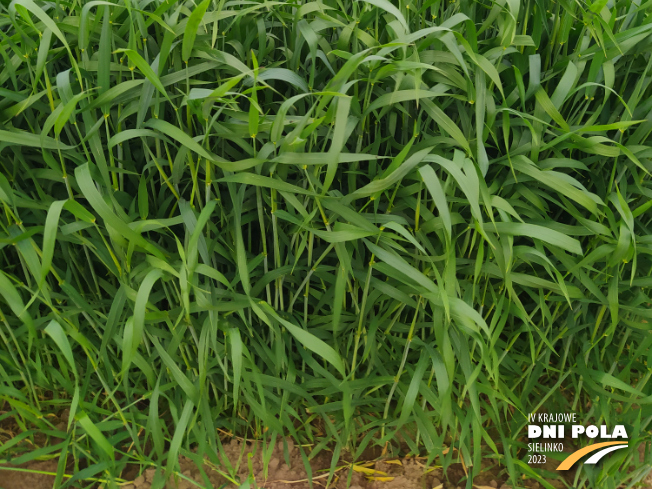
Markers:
(397, 473)
(402, 473)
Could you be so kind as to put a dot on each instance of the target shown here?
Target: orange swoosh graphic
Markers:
(575, 456)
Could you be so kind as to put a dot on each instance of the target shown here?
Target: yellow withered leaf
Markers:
(395, 462)
(367, 470)
(380, 479)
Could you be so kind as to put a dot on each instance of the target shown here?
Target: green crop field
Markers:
(370, 227)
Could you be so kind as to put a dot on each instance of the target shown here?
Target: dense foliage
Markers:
(352, 223)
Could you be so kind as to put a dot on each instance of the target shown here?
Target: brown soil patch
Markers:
(15, 479)
(400, 473)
